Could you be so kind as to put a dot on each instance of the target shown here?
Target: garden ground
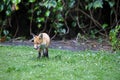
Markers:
(72, 45)
(21, 63)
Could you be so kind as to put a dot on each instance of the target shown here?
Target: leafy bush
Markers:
(115, 42)
(62, 17)
(7, 7)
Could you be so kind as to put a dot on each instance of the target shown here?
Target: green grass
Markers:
(21, 63)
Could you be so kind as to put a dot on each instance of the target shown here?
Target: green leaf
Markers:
(112, 11)
(59, 25)
(49, 4)
(32, 1)
(98, 4)
(17, 7)
(95, 4)
(74, 24)
(71, 3)
(111, 4)
(47, 13)
(7, 2)
(53, 3)
(59, 17)
(16, 1)
(39, 25)
(38, 12)
(1, 7)
(104, 26)
(8, 11)
(36, 8)
(40, 19)
(60, 8)
(5, 32)
(63, 31)
(89, 6)
(30, 11)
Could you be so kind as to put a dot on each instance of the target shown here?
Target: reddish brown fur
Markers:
(41, 43)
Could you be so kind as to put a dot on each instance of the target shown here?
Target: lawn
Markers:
(21, 63)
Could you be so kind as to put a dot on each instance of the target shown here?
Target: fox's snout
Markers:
(36, 47)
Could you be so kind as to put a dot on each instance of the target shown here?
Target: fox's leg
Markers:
(46, 53)
(39, 53)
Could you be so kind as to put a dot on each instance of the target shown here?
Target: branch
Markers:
(95, 22)
(17, 26)
(31, 20)
(66, 26)
(45, 25)
(53, 36)
(79, 25)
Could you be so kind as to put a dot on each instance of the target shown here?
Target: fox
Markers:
(41, 43)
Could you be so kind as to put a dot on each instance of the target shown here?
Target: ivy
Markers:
(62, 15)
(31, 1)
(95, 4)
(15, 1)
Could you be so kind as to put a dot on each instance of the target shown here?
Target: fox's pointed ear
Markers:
(41, 35)
(32, 34)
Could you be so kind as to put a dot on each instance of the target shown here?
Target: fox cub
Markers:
(41, 43)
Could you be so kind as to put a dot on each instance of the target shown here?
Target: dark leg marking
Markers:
(46, 53)
(39, 54)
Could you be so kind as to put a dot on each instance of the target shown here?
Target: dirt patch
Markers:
(78, 46)
(72, 45)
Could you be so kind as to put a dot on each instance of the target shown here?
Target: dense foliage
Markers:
(64, 18)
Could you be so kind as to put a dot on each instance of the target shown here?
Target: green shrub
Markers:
(114, 41)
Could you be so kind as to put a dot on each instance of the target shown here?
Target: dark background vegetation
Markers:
(61, 19)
